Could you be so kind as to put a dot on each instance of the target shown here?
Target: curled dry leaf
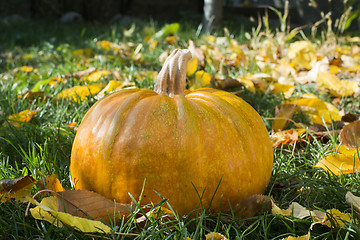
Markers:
(79, 93)
(350, 135)
(337, 87)
(302, 53)
(18, 188)
(50, 182)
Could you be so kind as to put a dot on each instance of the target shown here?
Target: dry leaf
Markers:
(17, 188)
(80, 93)
(197, 53)
(337, 87)
(291, 136)
(345, 162)
(80, 74)
(282, 89)
(51, 182)
(96, 75)
(72, 126)
(202, 79)
(87, 204)
(252, 206)
(302, 53)
(350, 135)
(304, 237)
(192, 66)
(48, 210)
(353, 201)
(25, 116)
(215, 236)
(85, 52)
(30, 96)
(283, 113)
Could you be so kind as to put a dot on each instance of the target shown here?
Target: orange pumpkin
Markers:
(183, 145)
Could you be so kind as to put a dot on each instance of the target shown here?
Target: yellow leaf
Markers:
(51, 182)
(302, 53)
(192, 66)
(111, 86)
(170, 39)
(16, 188)
(279, 89)
(27, 69)
(337, 87)
(106, 45)
(284, 112)
(317, 109)
(86, 52)
(347, 161)
(304, 237)
(248, 84)
(79, 93)
(48, 210)
(18, 119)
(202, 79)
(334, 218)
(96, 75)
(215, 236)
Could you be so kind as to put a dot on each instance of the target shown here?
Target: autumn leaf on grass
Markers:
(215, 236)
(330, 218)
(18, 188)
(283, 113)
(337, 87)
(197, 53)
(167, 29)
(47, 210)
(80, 93)
(96, 75)
(50, 182)
(202, 79)
(287, 137)
(350, 135)
(344, 162)
(85, 52)
(192, 66)
(72, 126)
(302, 53)
(282, 89)
(318, 110)
(27, 68)
(304, 237)
(25, 116)
(83, 210)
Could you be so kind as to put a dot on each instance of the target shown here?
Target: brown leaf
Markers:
(31, 96)
(90, 205)
(80, 74)
(215, 236)
(196, 52)
(350, 135)
(16, 188)
(349, 117)
(252, 206)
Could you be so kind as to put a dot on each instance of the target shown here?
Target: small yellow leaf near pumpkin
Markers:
(302, 53)
(353, 201)
(72, 125)
(337, 87)
(350, 135)
(111, 86)
(284, 113)
(345, 162)
(202, 79)
(334, 218)
(25, 116)
(79, 93)
(192, 66)
(95, 76)
(51, 182)
(170, 39)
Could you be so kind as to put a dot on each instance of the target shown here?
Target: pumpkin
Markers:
(206, 144)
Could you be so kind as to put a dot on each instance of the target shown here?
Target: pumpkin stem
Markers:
(172, 77)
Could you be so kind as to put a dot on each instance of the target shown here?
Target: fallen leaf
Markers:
(192, 66)
(291, 136)
(167, 29)
(353, 201)
(283, 113)
(337, 87)
(111, 86)
(80, 93)
(80, 74)
(350, 135)
(302, 53)
(16, 188)
(50, 182)
(252, 206)
(215, 236)
(85, 52)
(304, 237)
(25, 116)
(87, 204)
(27, 68)
(72, 126)
(334, 218)
(96, 75)
(282, 89)
(344, 162)
(48, 210)
(31, 96)
(202, 79)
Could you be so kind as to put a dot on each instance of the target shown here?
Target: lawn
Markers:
(304, 84)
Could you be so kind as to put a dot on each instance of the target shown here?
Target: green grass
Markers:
(43, 145)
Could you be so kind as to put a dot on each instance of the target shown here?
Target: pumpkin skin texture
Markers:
(175, 143)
